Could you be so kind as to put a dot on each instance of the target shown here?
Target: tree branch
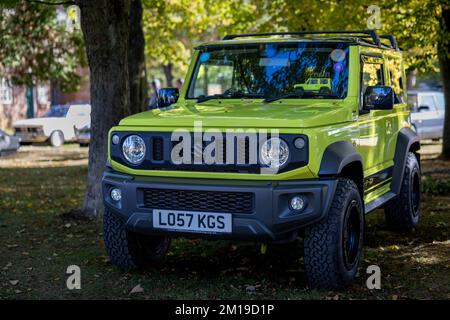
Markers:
(51, 3)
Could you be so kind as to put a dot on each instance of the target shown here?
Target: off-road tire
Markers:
(56, 139)
(402, 213)
(326, 262)
(129, 250)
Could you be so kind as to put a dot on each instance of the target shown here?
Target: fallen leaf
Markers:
(14, 282)
(137, 289)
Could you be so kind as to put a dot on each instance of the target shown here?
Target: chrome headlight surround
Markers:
(133, 149)
(274, 153)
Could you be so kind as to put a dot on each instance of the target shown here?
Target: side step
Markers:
(378, 202)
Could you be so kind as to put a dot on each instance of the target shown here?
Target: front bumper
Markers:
(31, 137)
(270, 219)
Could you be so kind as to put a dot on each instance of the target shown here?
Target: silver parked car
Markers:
(83, 136)
(8, 143)
(427, 113)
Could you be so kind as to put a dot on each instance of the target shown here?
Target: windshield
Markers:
(271, 70)
(57, 112)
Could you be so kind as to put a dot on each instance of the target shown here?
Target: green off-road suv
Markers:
(245, 153)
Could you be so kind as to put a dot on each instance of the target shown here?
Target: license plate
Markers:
(192, 221)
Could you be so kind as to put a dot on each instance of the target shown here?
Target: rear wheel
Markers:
(333, 246)
(129, 250)
(403, 212)
(57, 138)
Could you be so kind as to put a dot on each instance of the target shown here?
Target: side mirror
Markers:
(424, 108)
(167, 96)
(379, 98)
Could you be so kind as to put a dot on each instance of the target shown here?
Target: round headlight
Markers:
(274, 152)
(133, 149)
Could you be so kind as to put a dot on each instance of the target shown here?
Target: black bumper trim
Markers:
(272, 219)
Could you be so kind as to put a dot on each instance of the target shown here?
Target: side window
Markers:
(371, 73)
(394, 66)
(427, 101)
(6, 91)
(440, 101)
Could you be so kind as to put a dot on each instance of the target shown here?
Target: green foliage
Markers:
(172, 28)
(35, 47)
(415, 23)
(433, 186)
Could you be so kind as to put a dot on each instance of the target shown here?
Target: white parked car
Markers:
(427, 113)
(57, 126)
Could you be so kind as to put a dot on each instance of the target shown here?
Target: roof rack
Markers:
(376, 39)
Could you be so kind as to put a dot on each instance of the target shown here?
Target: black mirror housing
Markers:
(379, 98)
(167, 96)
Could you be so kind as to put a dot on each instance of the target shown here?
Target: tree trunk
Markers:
(136, 60)
(167, 68)
(444, 62)
(106, 27)
(411, 79)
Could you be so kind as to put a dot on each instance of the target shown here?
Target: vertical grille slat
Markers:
(158, 148)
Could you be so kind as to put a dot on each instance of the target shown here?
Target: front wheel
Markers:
(333, 246)
(57, 138)
(402, 213)
(129, 250)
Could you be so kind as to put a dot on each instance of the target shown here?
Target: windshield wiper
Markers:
(300, 94)
(294, 94)
(229, 96)
(206, 98)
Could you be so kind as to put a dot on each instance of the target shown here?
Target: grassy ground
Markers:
(37, 244)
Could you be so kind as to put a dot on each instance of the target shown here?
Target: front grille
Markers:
(237, 156)
(208, 201)
(158, 151)
(28, 130)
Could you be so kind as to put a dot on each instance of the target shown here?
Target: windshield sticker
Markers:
(274, 62)
(338, 67)
(205, 57)
(337, 55)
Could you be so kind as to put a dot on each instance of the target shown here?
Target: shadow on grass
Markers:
(40, 244)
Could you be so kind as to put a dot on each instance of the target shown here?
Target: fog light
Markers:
(115, 139)
(116, 194)
(297, 203)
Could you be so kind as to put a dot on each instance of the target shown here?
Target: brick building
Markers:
(22, 102)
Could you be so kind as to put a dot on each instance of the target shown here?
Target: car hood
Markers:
(244, 114)
(37, 122)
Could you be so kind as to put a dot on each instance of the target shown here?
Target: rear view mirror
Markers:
(379, 98)
(167, 96)
(424, 108)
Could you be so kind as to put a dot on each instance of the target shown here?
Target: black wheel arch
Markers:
(341, 159)
(407, 141)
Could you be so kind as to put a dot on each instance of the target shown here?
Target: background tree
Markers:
(35, 46)
(136, 60)
(174, 27)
